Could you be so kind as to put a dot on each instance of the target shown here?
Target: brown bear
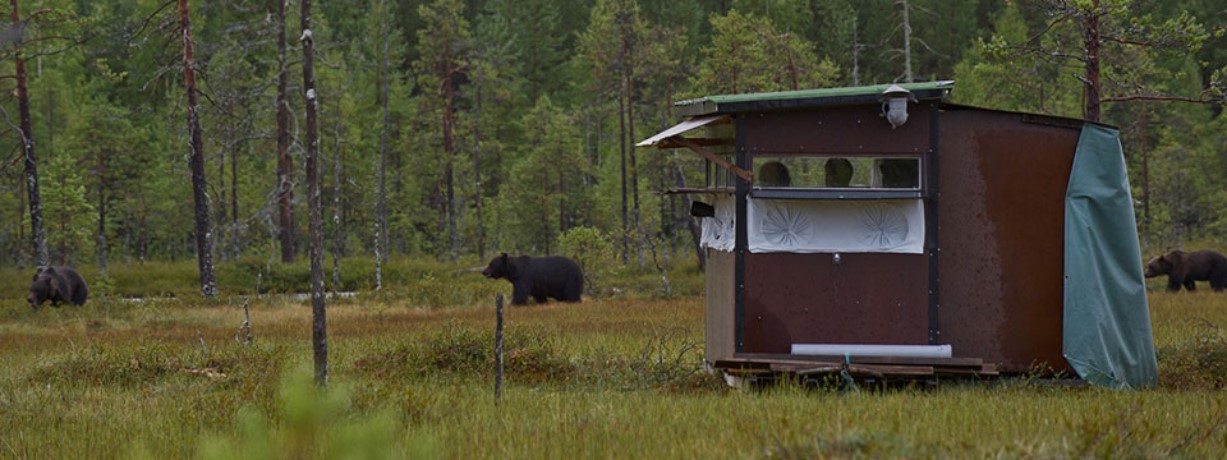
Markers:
(539, 277)
(57, 284)
(1184, 268)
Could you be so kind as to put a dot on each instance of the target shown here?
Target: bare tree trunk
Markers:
(622, 139)
(449, 149)
(235, 237)
(1145, 181)
(204, 245)
(696, 233)
(103, 186)
(481, 226)
(1092, 44)
(285, 165)
(907, 41)
(37, 234)
(630, 133)
(222, 213)
(856, 53)
(381, 206)
(319, 323)
(338, 238)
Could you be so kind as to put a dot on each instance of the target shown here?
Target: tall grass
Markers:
(610, 377)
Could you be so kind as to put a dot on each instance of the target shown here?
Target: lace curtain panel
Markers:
(809, 226)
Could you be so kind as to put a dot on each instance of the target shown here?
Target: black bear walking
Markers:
(1184, 268)
(57, 284)
(539, 277)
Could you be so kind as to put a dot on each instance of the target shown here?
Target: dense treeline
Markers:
(455, 128)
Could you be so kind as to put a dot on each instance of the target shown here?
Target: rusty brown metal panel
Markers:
(718, 277)
(840, 130)
(1001, 214)
(807, 298)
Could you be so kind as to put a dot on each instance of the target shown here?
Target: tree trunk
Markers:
(222, 213)
(856, 53)
(622, 157)
(1145, 182)
(103, 186)
(204, 245)
(381, 205)
(1092, 44)
(449, 149)
(37, 234)
(907, 42)
(696, 233)
(338, 239)
(630, 141)
(481, 226)
(319, 322)
(285, 165)
(235, 238)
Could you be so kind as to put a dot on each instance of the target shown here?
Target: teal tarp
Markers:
(1107, 336)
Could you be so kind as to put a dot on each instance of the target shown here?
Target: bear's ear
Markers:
(503, 256)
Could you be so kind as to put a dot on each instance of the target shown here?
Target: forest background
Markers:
(457, 129)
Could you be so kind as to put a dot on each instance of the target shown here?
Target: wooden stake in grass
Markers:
(498, 348)
(245, 329)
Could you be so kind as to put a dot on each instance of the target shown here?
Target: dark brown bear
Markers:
(539, 277)
(57, 284)
(1184, 268)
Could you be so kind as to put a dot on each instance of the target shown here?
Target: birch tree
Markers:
(319, 320)
(38, 236)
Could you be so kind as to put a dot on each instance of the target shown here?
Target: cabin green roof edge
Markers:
(807, 98)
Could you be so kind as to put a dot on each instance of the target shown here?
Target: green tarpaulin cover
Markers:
(1107, 336)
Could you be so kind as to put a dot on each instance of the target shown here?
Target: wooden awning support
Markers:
(672, 137)
(696, 148)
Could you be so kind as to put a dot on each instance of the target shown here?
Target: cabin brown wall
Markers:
(1001, 215)
(842, 130)
(807, 298)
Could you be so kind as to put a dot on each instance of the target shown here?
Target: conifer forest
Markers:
(152, 131)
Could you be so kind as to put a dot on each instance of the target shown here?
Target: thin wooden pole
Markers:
(498, 348)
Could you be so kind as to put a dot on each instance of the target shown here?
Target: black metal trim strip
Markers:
(741, 242)
(931, 224)
(829, 194)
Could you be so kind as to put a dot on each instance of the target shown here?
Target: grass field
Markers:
(608, 378)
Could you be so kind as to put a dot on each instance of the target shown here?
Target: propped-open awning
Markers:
(672, 138)
(680, 128)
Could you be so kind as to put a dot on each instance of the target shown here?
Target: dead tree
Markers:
(204, 245)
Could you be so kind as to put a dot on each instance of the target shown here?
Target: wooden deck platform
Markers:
(886, 368)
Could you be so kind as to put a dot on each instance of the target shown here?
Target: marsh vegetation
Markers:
(610, 377)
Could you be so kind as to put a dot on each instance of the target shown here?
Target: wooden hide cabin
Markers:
(884, 232)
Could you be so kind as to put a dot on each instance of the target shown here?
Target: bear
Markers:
(57, 284)
(538, 277)
(1184, 268)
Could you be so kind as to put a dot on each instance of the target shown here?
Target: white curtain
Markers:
(807, 226)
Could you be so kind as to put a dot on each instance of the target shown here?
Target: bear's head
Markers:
(44, 286)
(1162, 265)
(501, 267)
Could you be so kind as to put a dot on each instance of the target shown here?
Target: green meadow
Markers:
(617, 376)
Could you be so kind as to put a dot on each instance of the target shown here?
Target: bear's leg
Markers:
(541, 298)
(519, 295)
(1190, 285)
(1173, 284)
